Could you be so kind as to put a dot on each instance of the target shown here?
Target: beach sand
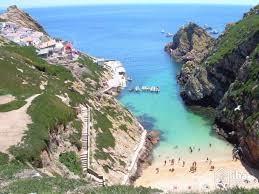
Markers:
(232, 173)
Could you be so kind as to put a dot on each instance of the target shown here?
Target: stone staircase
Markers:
(85, 139)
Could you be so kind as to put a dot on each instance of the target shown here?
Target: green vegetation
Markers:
(46, 185)
(123, 190)
(46, 112)
(105, 138)
(122, 163)
(94, 69)
(236, 34)
(8, 170)
(251, 86)
(111, 111)
(14, 105)
(71, 161)
(106, 168)
(21, 74)
(101, 155)
(236, 191)
(124, 127)
(29, 55)
(4, 158)
(75, 137)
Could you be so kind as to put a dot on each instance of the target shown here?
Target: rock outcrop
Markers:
(190, 46)
(228, 80)
(21, 18)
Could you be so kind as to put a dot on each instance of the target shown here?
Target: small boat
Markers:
(163, 31)
(137, 89)
(214, 32)
(129, 79)
(207, 27)
(169, 34)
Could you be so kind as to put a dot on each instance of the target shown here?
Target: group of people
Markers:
(193, 167)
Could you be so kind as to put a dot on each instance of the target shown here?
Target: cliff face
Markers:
(227, 79)
(237, 116)
(21, 18)
(190, 46)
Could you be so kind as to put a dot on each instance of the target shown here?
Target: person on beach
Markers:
(191, 169)
(157, 170)
(183, 163)
(164, 162)
(179, 160)
(172, 162)
(212, 168)
(171, 170)
(194, 163)
(207, 159)
(210, 145)
(190, 148)
(199, 149)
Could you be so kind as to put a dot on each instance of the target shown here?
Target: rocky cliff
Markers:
(52, 142)
(15, 15)
(227, 79)
(191, 44)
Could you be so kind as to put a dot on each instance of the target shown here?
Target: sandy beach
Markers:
(230, 173)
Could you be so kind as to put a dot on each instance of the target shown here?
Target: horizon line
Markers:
(128, 3)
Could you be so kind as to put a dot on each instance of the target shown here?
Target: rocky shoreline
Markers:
(146, 156)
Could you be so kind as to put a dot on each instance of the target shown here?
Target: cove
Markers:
(131, 34)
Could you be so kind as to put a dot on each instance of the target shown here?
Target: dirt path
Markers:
(13, 125)
(6, 99)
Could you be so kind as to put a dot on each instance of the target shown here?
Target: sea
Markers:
(132, 34)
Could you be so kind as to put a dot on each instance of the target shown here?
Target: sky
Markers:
(46, 3)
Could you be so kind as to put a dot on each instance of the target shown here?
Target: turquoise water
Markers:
(131, 34)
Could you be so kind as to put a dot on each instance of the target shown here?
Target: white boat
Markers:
(214, 32)
(169, 34)
(163, 31)
(129, 79)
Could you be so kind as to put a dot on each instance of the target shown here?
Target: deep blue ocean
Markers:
(132, 34)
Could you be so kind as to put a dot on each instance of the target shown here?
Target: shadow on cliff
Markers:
(252, 171)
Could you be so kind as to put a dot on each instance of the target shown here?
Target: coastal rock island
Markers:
(190, 45)
(225, 76)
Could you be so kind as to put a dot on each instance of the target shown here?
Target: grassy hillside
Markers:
(21, 74)
(235, 35)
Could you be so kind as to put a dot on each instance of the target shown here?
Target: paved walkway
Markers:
(133, 166)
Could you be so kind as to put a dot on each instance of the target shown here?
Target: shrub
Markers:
(4, 158)
(71, 161)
